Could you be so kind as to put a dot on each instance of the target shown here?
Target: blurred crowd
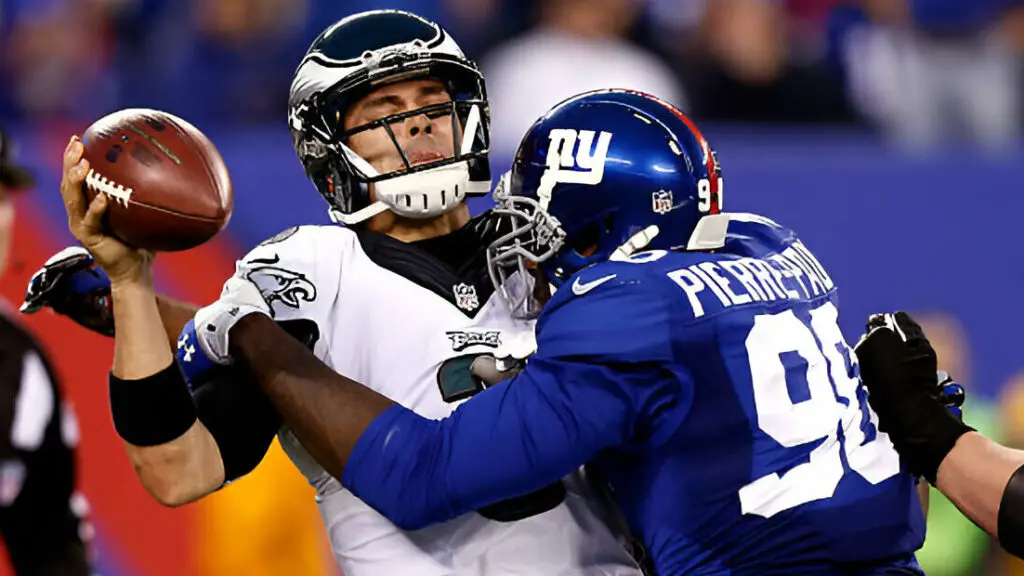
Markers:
(921, 72)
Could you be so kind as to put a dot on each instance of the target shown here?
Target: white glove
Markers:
(513, 353)
(213, 323)
(508, 360)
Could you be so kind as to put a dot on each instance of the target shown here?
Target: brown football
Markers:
(168, 186)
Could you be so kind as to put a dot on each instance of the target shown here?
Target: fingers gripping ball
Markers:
(167, 186)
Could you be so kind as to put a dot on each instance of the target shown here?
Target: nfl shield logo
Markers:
(465, 297)
(662, 201)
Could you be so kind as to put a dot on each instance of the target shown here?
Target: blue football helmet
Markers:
(350, 59)
(603, 175)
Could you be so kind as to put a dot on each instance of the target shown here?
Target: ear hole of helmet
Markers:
(586, 242)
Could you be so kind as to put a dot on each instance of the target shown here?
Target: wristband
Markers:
(153, 410)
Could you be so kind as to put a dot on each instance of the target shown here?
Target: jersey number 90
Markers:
(837, 399)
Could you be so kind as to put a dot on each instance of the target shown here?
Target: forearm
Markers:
(174, 314)
(417, 471)
(236, 425)
(182, 468)
(326, 411)
(140, 344)
(530, 431)
(974, 476)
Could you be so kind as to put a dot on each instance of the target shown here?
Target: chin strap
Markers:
(358, 216)
(636, 243)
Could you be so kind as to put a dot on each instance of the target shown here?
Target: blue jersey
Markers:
(714, 391)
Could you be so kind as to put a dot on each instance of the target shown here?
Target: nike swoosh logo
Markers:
(581, 288)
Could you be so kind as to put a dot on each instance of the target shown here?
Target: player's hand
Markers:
(491, 370)
(72, 284)
(922, 359)
(898, 367)
(204, 342)
(122, 263)
(508, 360)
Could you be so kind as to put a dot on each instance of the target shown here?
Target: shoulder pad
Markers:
(751, 234)
(758, 237)
(298, 270)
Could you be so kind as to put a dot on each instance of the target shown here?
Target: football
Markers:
(168, 187)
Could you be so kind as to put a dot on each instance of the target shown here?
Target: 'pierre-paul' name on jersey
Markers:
(793, 274)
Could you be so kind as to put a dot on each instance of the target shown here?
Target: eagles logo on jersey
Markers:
(279, 285)
(464, 339)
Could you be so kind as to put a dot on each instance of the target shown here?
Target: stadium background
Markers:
(886, 132)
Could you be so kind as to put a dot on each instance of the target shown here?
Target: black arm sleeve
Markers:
(1011, 515)
(240, 418)
(238, 414)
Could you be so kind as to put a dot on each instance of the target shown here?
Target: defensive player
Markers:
(390, 121)
(984, 480)
(694, 357)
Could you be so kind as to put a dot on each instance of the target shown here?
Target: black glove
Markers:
(898, 367)
(72, 284)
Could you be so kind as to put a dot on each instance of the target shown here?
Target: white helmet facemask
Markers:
(420, 192)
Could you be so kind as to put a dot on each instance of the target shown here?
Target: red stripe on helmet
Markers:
(710, 161)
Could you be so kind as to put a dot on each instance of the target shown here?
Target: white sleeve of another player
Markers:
(298, 273)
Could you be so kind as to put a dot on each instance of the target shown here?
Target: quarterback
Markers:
(692, 356)
(390, 121)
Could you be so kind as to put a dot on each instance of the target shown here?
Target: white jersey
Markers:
(397, 319)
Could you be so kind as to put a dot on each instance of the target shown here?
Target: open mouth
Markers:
(419, 157)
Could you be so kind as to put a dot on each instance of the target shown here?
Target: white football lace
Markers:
(100, 183)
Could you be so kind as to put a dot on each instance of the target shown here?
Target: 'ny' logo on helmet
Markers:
(562, 164)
